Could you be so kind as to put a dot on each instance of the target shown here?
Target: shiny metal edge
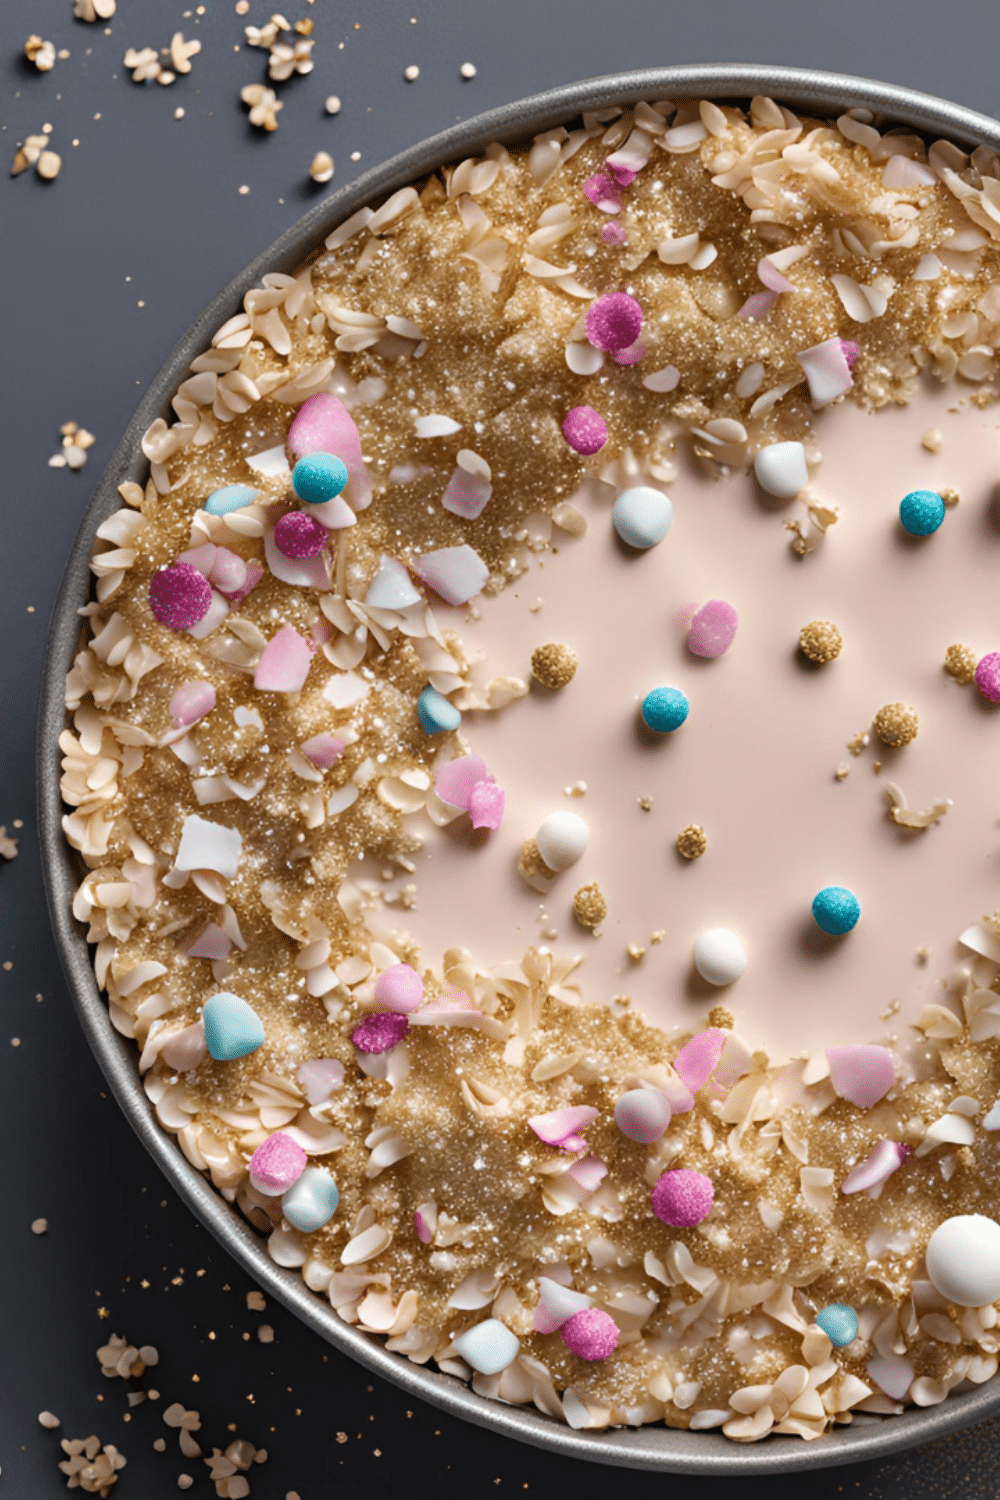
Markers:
(656, 1447)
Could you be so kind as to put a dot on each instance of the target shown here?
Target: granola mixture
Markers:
(779, 262)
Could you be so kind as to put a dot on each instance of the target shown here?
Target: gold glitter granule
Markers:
(932, 440)
(530, 862)
(960, 662)
(691, 841)
(553, 665)
(589, 906)
(721, 1018)
(896, 724)
(950, 497)
(820, 641)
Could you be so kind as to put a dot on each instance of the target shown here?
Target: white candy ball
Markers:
(562, 839)
(642, 516)
(781, 469)
(643, 1115)
(719, 956)
(488, 1347)
(963, 1260)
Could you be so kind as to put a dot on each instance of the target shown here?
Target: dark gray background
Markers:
(102, 271)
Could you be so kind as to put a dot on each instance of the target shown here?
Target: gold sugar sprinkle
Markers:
(721, 1018)
(896, 724)
(691, 841)
(859, 742)
(820, 641)
(635, 952)
(589, 906)
(842, 772)
(553, 665)
(646, 803)
(950, 497)
(932, 440)
(530, 862)
(960, 662)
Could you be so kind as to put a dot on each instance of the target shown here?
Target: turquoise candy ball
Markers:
(232, 1027)
(921, 512)
(318, 477)
(839, 1323)
(836, 909)
(435, 713)
(230, 497)
(311, 1201)
(665, 709)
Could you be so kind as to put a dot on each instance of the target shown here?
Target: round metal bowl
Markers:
(657, 1447)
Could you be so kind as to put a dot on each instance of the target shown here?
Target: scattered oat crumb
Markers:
(341, 1438)
(93, 10)
(576, 789)
(332, 105)
(468, 70)
(902, 815)
(877, 768)
(932, 440)
(244, 190)
(553, 665)
(304, 27)
(321, 167)
(842, 772)
(721, 1018)
(160, 1444)
(256, 1301)
(635, 951)
(179, 113)
(820, 641)
(896, 724)
(859, 742)
(411, 73)
(264, 105)
(646, 803)
(923, 954)
(184, 1481)
(960, 661)
(265, 1333)
(39, 1226)
(8, 847)
(530, 863)
(90, 1467)
(48, 1419)
(589, 906)
(691, 841)
(242, 6)
(658, 935)
(42, 54)
(15, 1041)
(950, 497)
(891, 1009)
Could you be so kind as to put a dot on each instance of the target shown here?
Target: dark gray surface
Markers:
(175, 222)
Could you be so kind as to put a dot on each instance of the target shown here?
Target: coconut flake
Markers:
(391, 588)
(827, 371)
(436, 424)
(271, 462)
(209, 846)
(345, 689)
(469, 487)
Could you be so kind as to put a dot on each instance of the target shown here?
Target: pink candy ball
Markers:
(584, 429)
(713, 628)
(380, 1033)
(683, 1198)
(614, 322)
(276, 1164)
(590, 1334)
(988, 677)
(299, 535)
(399, 988)
(179, 596)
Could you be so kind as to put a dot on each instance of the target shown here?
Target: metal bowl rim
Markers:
(657, 1447)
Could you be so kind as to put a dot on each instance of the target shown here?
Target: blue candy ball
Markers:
(318, 477)
(839, 1323)
(836, 909)
(311, 1201)
(230, 497)
(921, 512)
(435, 713)
(232, 1027)
(665, 709)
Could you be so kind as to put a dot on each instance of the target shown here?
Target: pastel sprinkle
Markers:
(322, 750)
(665, 709)
(988, 677)
(604, 192)
(232, 1027)
(436, 714)
(883, 1159)
(380, 1032)
(230, 497)
(488, 1347)
(713, 628)
(613, 234)
(179, 596)
(455, 780)
(698, 1059)
(399, 988)
(584, 429)
(836, 909)
(614, 321)
(318, 477)
(276, 1164)
(921, 512)
(319, 1076)
(642, 516)
(562, 1127)
(486, 804)
(590, 1334)
(312, 1201)
(862, 1074)
(840, 1324)
(683, 1198)
(299, 535)
(191, 702)
(284, 663)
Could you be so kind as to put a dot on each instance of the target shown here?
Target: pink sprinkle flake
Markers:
(861, 1075)
(630, 356)
(584, 429)
(698, 1059)
(683, 1198)
(588, 1173)
(191, 702)
(614, 322)
(284, 664)
(486, 804)
(604, 192)
(613, 234)
(561, 1127)
(455, 780)
(322, 750)
(622, 174)
(179, 596)
(277, 1164)
(380, 1033)
(988, 677)
(590, 1334)
(253, 576)
(870, 1175)
(319, 1077)
(712, 629)
(758, 305)
(299, 535)
(850, 351)
(772, 277)
(399, 989)
(211, 943)
(424, 1232)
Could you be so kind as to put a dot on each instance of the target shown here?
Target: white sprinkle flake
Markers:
(321, 167)
(468, 70)
(209, 846)
(412, 73)
(332, 105)
(48, 1419)
(244, 190)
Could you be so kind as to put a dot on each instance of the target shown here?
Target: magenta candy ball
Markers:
(590, 1334)
(380, 1033)
(299, 535)
(988, 677)
(399, 988)
(179, 596)
(683, 1198)
(584, 429)
(277, 1164)
(614, 322)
